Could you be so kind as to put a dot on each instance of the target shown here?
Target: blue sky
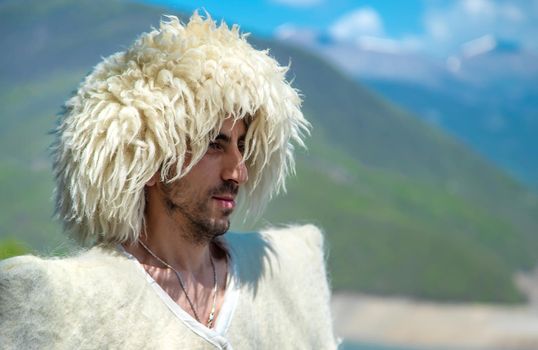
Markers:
(437, 27)
(263, 16)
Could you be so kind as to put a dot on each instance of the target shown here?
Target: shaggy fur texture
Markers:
(144, 110)
(102, 300)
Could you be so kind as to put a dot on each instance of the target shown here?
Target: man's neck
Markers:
(165, 238)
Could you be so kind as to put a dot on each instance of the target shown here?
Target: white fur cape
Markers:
(101, 300)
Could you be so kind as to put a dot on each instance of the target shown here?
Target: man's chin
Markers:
(221, 226)
(221, 218)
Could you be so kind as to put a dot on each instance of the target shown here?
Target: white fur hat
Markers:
(137, 112)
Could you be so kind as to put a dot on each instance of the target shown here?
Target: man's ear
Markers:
(154, 179)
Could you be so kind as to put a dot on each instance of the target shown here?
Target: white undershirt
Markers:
(215, 335)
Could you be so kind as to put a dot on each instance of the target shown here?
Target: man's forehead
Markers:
(233, 127)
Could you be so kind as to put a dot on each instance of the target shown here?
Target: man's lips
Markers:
(225, 201)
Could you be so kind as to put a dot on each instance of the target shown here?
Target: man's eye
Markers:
(241, 147)
(215, 146)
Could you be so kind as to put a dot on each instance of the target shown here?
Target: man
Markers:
(155, 149)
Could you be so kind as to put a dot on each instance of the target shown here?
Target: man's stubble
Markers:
(200, 227)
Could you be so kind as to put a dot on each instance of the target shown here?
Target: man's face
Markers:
(204, 198)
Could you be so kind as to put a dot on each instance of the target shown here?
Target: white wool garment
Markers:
(147, 109)
(101, 299)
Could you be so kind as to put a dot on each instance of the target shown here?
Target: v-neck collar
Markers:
(217, 334)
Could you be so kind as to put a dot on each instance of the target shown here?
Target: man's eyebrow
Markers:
(223, 137)
(226, 138)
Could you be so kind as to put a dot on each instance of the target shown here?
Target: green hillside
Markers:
(12, 247)
(406, 209)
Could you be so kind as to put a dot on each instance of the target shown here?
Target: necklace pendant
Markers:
(210, 319)
(182, 285)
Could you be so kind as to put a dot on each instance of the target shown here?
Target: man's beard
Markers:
(201, 229)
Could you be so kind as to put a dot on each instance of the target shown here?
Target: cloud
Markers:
(448, 27)
(512, 13)
(298, 3)
(479, 46)
(362, 21)
(478, 7)
(289, 31)
(437, 28)
(452, 30)
(363, 28)
(387, 45)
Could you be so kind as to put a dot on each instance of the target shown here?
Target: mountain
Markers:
(502, 129)
(490, 102)
(486, 94)
(406, 208)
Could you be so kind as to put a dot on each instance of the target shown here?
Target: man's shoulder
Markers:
(295, 241)
(28, 272)
(25, 287)
(298, 250)
(40, 296)
(284, 254)
(308, 233)
(30, 265)
(305, 238)
(283, 271)
(58, 302)
(22, 271)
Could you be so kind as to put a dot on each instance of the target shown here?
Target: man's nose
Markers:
(235, 169)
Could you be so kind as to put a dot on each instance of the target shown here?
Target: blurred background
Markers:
(422, 167)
